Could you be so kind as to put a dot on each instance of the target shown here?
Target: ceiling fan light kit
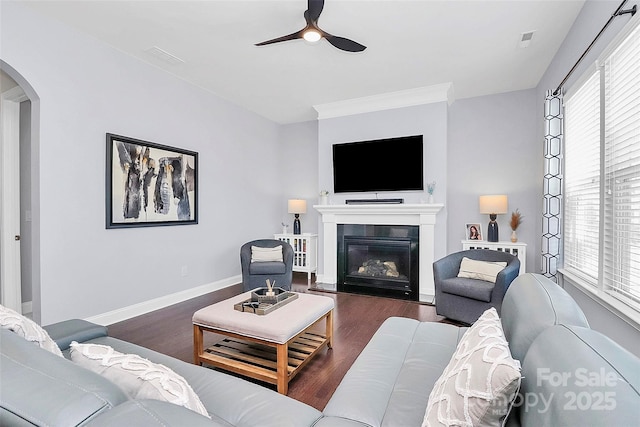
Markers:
(312, 36)
(312, 33)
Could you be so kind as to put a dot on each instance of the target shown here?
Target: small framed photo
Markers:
(474, 232)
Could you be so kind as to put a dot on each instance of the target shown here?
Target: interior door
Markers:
(10, 276)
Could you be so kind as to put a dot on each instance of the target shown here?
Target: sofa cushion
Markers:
(27, 329)
(229, 399)
(259, 254)
(137, 376)
(532, 304)
(267, 268)
(480, 270)
(389, 383)
(40, 388)
(67, 331)
(150, 413)
(469, 288)
(480, 382)
(575, 376)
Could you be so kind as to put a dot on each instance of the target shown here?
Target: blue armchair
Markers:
(255, 274)
(465, 299)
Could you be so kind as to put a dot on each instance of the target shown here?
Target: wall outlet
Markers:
(184, 271)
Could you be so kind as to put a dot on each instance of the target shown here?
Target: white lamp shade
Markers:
(493, 204)
(297, 206)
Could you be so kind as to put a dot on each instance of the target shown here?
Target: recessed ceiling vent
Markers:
(525, 39)
(164, 55)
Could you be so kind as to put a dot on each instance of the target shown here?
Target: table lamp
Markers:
(493, 205)
(297, 207)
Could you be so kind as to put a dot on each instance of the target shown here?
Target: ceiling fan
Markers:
(312, 33)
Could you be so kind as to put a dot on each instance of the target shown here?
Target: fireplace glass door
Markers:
(384, 264)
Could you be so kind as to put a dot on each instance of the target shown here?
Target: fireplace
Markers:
(421, 215)
(378, 260)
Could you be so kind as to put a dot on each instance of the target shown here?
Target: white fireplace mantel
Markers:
(422, 215)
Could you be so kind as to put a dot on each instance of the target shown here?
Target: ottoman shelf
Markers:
(267, 349)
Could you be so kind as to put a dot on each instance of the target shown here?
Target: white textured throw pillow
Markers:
(259, 254)
(481, 270)
(27, 329)
(137, 376)
(480, 383)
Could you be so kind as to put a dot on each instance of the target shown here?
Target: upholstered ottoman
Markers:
(271, 347)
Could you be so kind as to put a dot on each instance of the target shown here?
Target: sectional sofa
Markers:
(571, 376)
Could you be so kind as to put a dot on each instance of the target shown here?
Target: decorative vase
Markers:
(324, 199)
(514, 236)
(430, 200)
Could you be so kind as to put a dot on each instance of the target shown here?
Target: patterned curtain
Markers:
(552, 185)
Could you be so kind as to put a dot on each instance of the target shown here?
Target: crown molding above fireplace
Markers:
(387, 101)
(422, 215)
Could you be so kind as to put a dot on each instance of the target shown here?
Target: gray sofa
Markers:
(42, 389)
(390, 382)
(388, 385)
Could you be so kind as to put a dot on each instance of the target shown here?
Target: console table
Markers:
(517, 249)
(305, 254)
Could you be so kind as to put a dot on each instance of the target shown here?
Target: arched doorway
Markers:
(19, 178)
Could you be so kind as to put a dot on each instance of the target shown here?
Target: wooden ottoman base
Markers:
(261, 359)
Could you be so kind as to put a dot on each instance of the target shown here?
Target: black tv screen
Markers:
(393, 164)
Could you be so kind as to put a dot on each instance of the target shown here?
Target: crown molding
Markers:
(387, 101)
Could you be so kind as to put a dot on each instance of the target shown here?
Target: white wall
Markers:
(86, 89)
(493, 150)
(429, 120)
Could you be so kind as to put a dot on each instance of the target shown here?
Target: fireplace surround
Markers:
(378, 260)
(421, 215)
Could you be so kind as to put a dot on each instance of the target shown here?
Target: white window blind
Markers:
(602, 175)
(582, 180)
(621, 266)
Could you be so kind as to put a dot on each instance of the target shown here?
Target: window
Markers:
(602, 174)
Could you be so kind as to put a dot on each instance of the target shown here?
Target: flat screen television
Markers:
(393, 164)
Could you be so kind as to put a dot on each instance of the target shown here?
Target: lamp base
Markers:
(492, 232)
(296, 224)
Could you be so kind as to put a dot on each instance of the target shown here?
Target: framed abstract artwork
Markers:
(149, 184)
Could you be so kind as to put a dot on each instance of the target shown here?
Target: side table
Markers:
(305, 255)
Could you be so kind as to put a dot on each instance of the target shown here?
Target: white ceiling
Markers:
(472, 44)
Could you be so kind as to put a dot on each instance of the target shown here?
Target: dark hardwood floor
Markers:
(356, 318)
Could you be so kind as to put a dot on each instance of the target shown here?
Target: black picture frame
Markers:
(149, 184)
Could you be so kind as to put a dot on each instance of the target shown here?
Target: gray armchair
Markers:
(464, 299)
(255, 274)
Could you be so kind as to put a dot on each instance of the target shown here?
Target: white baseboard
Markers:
(27, 308)
(125, 313)
(427, 298)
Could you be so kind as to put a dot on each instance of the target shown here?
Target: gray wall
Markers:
(589, 22)
(493, 150)
(299, 151)
(86, 89)
(428, 120)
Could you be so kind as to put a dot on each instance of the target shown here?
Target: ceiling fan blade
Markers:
(344, 44)
(292, 36)
(314, 9)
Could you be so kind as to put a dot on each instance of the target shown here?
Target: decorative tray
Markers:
(262, 308)
(262, 295)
